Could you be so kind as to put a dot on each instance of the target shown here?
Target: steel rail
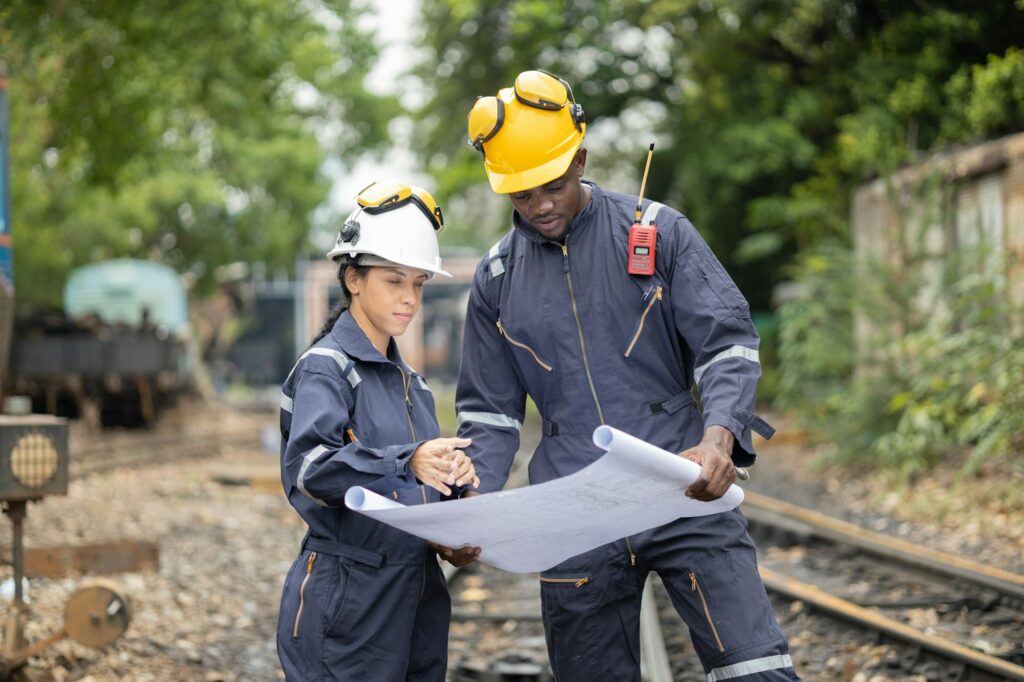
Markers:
(820, 600)
(654, 663)
(769, 511)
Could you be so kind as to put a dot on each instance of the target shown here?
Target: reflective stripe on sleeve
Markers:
(496, 266)
(422, 383)
(308, 459)
(756, 665)
(489, 418)
(348, 368)
(286, 403)
(734, 352)
(651, 213)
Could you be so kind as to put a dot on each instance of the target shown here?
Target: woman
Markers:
(363, 600)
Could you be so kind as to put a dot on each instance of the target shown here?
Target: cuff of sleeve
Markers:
(398, 462)
(743, 424)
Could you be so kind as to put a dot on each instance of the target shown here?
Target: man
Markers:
(555, 314)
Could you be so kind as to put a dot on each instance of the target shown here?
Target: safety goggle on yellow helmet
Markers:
(528, 133)
(381, 197)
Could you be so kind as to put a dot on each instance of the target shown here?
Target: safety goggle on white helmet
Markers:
(395, 222)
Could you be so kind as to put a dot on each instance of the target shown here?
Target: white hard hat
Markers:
(395, 222)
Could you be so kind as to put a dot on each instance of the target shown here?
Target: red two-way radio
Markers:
(642, 238)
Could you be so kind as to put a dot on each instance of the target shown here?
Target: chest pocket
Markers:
(653, 296)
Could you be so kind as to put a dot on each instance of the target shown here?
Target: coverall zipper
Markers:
(632, 555)
(406, 381)
(302, 594)
(656, 297)
(695, 586)
(578, 582)
(579, 328)
(529, 350)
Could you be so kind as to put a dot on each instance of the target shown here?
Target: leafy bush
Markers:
(897, 369)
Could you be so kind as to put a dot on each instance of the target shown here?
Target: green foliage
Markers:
(187, 132)
(767, 114)
(816, 334)
(932, 374)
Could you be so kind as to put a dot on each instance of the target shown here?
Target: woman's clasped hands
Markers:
(441, 463)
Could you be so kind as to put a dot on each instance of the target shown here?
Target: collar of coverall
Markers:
(355, 344)
(582, 219)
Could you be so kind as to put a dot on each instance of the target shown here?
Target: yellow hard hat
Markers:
(529, 133)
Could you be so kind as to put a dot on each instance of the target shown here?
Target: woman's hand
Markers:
(440, 463)
(457, 556)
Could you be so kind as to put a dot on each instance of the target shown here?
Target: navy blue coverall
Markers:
(363, 600)
(592, 345)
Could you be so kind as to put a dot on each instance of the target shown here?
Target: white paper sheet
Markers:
(634, 486)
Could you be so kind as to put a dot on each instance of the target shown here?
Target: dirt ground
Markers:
(210, 612)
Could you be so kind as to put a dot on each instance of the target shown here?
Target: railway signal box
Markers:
(33, 457)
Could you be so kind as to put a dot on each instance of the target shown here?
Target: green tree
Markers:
(188, 132)
(767, 113)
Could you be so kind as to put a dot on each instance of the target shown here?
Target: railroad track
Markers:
(937, 616)
(949, 618)
(497, 633)
(953, 618)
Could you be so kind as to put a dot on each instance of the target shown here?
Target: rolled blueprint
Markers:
(633, 487)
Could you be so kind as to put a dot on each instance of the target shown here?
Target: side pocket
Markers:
(302, 593)
(695, 587)
(307, 590)
(731, 611)
(574, 581)
(569, 610)
(336, 607)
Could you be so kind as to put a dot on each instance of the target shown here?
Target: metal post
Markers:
(14, 626)
(16, 510)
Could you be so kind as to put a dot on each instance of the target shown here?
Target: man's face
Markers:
(551, 207)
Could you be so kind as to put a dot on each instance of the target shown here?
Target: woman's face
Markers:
(387, 298)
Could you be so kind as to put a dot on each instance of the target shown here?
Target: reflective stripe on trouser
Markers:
(709, 569)
(360, 622)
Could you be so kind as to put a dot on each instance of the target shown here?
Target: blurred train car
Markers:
(118, 349)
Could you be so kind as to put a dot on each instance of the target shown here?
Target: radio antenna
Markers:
(643, 183)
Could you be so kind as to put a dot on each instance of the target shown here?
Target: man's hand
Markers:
(714, 455)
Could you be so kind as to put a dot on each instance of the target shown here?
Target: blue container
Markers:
(127, 291)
